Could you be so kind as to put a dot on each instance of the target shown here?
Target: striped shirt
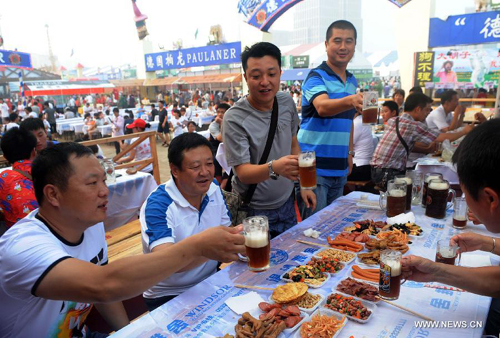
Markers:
(327, 136)
(390, 152)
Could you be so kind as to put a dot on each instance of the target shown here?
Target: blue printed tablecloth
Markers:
(201, 311)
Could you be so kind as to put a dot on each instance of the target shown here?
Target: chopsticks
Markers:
(312, 243)
(241, 286)
(406, 309)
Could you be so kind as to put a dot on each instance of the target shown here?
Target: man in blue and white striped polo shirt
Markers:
(329, 102)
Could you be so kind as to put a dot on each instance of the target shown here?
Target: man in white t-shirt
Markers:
(178, 123)
(364, 145)
(53, 263)
(5, 109)
(441, 118)
(187, 204)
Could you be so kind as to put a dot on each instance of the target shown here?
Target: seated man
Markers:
(187, 204)
(53, 263)
(441, 118)
(364, 146)
(391, 155)
(482, 192)
(37, 128)
(17, 196)
(389, 110)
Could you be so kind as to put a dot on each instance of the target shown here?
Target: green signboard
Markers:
(301, 61)
(362, 74)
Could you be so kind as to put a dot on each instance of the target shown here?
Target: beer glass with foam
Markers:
(417, 178)
(256, 232)
(394, 200)
(109, 169)
(427, 178)
(459, 213)
(390, 274)
(307, 170)
(370, 107)
(447, 253)
(409, 188)
(438, 191)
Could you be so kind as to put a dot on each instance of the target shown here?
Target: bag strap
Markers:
(267, 149)
(24, 173)
(402, 139)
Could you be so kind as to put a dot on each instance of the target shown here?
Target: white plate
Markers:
(334, 289)
(289, 331)
(309, 311)
(327, 275)
(369, 305)
(332, 274)
(329, 313)
(230, 328)
(345, 263)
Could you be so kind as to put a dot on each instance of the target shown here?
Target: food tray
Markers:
(329, 313)
(327, 275)
(303, 309)
(332, 274)
(369, 305)
(360, 262)
(334, 289)
(348, 252)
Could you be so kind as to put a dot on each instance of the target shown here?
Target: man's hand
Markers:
(222, 243)
(473, 218)
(479, 117)
(287, 166)
(469, 242)
(419, 269)
(357, 101)
(309, 198)
(218, 120)
(350, 161)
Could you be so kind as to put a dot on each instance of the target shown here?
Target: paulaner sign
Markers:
(194, 57)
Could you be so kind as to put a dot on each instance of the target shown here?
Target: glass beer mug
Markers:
(390, 274)
(394, 200)
(257, 244)
(307, 170)
(428, 177)
(438, 191)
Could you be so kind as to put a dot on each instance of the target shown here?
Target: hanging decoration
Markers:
(140, 21)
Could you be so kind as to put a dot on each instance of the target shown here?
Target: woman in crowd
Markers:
(143, 150)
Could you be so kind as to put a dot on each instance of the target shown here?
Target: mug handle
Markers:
(452, 192)
(382, 201)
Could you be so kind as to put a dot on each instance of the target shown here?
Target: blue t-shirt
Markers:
(327, 136)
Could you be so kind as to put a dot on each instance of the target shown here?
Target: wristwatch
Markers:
(272, 174)
(351, 153)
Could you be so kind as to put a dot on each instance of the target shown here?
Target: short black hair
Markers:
(13, 117)
(224, 106)
(32, 124)
(116, 110)
(477, 158)
(400, 92)
(17, 144)
(393, 106)
(152, 105)
(176, 111)
(191, 123)
(162, 102)
(259, 50)
(341, 24)
(416, 89)
(52, 166)
(416, 100)
(182, 143)
(86, 115)
(28, 109)
(447, 96)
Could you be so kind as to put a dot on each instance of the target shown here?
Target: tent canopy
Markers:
(295, 74)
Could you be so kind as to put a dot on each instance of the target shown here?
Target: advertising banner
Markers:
(9, 58)
(194, 57)
(263, 13)
(424, 66)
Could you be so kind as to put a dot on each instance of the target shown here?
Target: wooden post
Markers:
(154, 156)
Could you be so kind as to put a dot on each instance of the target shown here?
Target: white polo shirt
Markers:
(167, 217)
(438, 119)
(363, 141)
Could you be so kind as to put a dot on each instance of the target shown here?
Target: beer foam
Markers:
(407, 180)
(395, 267)
(447, 252)
(397, 193)
(256, 239)
(432, 177)
(460, 218)
(306, 162)
(438, 185)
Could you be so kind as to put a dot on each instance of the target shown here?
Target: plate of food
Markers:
(354, 308)
(411, 229)
(366, 274)
(343, 256)
(354, 236)
(359, 289)
(326, 264)
(345, 244)
(309, 302)
(323, 323)
(367, 226)
(291, 315)
(307, 274)
(383, 244)
(249, 326)
(369, 258)
(394, 236)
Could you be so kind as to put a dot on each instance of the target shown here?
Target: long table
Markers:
(201, 311)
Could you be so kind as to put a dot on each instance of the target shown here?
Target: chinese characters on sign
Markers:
(194, 57)
(424, 65)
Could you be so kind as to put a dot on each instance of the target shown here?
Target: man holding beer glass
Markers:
(246, 127)
(327, 115)
(392, 151)
(477, 160)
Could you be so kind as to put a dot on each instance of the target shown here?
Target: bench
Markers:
(359, 183)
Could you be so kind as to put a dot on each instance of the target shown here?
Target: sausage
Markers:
(293, 310)
(266, 307)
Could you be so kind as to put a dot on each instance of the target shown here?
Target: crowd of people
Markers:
(53, 258)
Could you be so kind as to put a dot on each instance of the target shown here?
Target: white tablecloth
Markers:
(126, 197)
(201, 311)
